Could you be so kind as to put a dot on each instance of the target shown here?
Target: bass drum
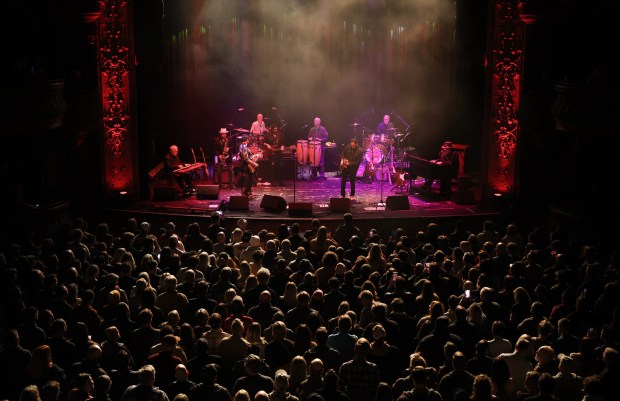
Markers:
(374, 154)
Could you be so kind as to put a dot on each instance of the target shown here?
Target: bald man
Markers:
(319, 133)
(171, 163)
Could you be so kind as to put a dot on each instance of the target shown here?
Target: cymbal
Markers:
(392, 129)
(355, 125)
(241, 130)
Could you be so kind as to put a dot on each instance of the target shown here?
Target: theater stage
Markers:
(379, 204)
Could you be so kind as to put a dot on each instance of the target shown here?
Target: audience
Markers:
(145, 314)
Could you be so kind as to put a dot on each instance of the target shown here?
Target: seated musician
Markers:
(385, 127)
(172, 163)
(273, 147)
(450, 160)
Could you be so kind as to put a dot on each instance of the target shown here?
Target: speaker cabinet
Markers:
(464, 195)
(239, 203)
(165, 193)
(273, 203)
(300, 209)
(339, 205)
(397, 202)
(207, 191)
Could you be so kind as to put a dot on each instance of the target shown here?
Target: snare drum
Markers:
(314, 152)
(302, 151)
(374, 154)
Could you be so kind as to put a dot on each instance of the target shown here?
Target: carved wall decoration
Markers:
(115, 73)
(507, 63)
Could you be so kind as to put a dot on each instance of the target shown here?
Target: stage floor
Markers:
(378, 203)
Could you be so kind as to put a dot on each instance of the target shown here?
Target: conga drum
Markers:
(314, 152)
(302, 151)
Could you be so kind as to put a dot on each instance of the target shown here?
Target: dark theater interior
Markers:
(398, 145)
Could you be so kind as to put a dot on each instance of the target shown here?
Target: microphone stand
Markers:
(356, 124)
(295, 179)
(381, 202)
(300, 169)
(407, 128)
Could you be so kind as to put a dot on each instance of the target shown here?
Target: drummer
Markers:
(319, 133)
(385, 127)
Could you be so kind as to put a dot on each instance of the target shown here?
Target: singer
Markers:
(258, 127)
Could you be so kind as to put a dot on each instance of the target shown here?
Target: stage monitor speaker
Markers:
(397, 202)
(239, 203)
(339, 204)
(300, 209)
(207, 191)
(273, 203)
(165, 193)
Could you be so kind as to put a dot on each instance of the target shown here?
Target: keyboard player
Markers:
(172, 163)
(449, 162)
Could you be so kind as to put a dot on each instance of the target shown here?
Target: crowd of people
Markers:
(214, 313)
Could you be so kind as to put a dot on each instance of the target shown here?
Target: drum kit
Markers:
(378, 146)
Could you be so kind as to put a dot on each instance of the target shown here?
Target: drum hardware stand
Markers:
(407, 126)
(381, 202)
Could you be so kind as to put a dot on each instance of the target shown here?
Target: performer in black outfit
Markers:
(171, 163)
(349, 163)
(248, 165)
(273, 147)
(449, 159)
(224, 158)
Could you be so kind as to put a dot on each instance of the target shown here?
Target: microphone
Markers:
(305, 126)
(372, 109)
(240, 109)
(274, 108)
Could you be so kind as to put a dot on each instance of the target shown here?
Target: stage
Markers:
(379, 204)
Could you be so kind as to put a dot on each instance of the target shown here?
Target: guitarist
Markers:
(248, 165)
(349, 163)
(224, 158)
(273, 149)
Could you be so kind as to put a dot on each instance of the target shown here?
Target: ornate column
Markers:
(506, 64)
(117, 80)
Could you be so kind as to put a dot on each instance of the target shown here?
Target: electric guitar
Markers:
(204, 160)
(252, 164)
(344, 164)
